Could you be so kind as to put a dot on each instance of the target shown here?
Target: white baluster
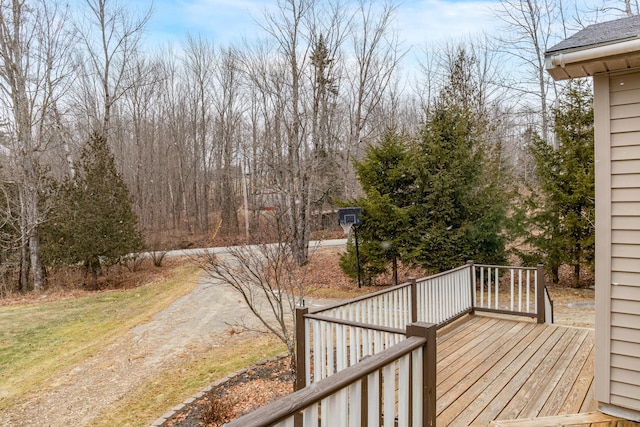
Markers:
(403, 392)
(310, 416)
(389, 385)
(373, 385)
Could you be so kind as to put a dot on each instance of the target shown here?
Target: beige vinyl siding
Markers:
(626, 166)
(619, 209)
(626, 138)
(622, 292)
(624, 334)
(627, 265)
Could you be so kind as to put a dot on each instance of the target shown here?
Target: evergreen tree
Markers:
(441, 200)
(459, 208)
(386, 180)
(559, 213)
(93, 222)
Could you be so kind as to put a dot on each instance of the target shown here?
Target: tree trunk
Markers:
(36, 264)
(555, 276)
(395, 270)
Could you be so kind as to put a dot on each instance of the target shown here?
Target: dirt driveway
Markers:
(196, 321)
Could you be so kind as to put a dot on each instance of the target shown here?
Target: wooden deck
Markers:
(496, 368)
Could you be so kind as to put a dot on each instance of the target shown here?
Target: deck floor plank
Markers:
(464, 376)
(450, 391)
(471, 354)
(515, 383)
(494, 369)
(586, 419)
(556, 384)
(590, 403)
(572, 390)
(452, 343)
(468, 405)
(461, 328)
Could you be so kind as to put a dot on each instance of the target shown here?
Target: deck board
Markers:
(499, 369)
(560, 378)
(474, 399)
(449, 392)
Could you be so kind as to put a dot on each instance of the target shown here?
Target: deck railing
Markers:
(332, 339)
(444, 297)
(518, 291)
(394, 388)
(349, 353)
(335, 337)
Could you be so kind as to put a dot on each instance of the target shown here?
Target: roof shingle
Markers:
(600, 34)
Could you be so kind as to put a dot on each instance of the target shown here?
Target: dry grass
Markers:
(157, 395)
(44, 334)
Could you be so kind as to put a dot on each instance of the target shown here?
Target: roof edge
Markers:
(591, 46)
(561, 59)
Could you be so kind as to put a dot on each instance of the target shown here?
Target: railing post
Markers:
(301, 350)
(414, 300)
(429, 361)
(540, 305)
(301, 360)
(364, 401)
(472, 284)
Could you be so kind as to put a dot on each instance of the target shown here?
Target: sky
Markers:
(226, 22)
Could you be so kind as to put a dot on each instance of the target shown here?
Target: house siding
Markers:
(624, 230)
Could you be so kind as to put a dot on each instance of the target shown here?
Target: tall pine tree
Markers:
(93, 222)
(386, 180)
(559, 213)
(459, 204)
(439, 200)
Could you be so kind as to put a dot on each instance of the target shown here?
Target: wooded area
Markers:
(202, 133)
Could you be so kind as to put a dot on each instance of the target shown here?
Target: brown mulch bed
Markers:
(242, 393)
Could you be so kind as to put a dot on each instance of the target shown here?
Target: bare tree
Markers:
(199, 63)
(265, 277)
(34, 55)
(228, 121)
(142, 163)
(176, 158)
(530, 26)
(627, 7)
(293, 179)
(329, 31)
(377, 54)
(111, 36)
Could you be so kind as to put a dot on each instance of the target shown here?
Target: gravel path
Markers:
(198, 321)
(192, 323)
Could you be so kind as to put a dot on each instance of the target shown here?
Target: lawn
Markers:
(39, 339)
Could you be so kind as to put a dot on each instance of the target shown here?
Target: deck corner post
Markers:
(540, 305)
(472, 284)
(414, 300)
(301, 363)
(429, 361)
